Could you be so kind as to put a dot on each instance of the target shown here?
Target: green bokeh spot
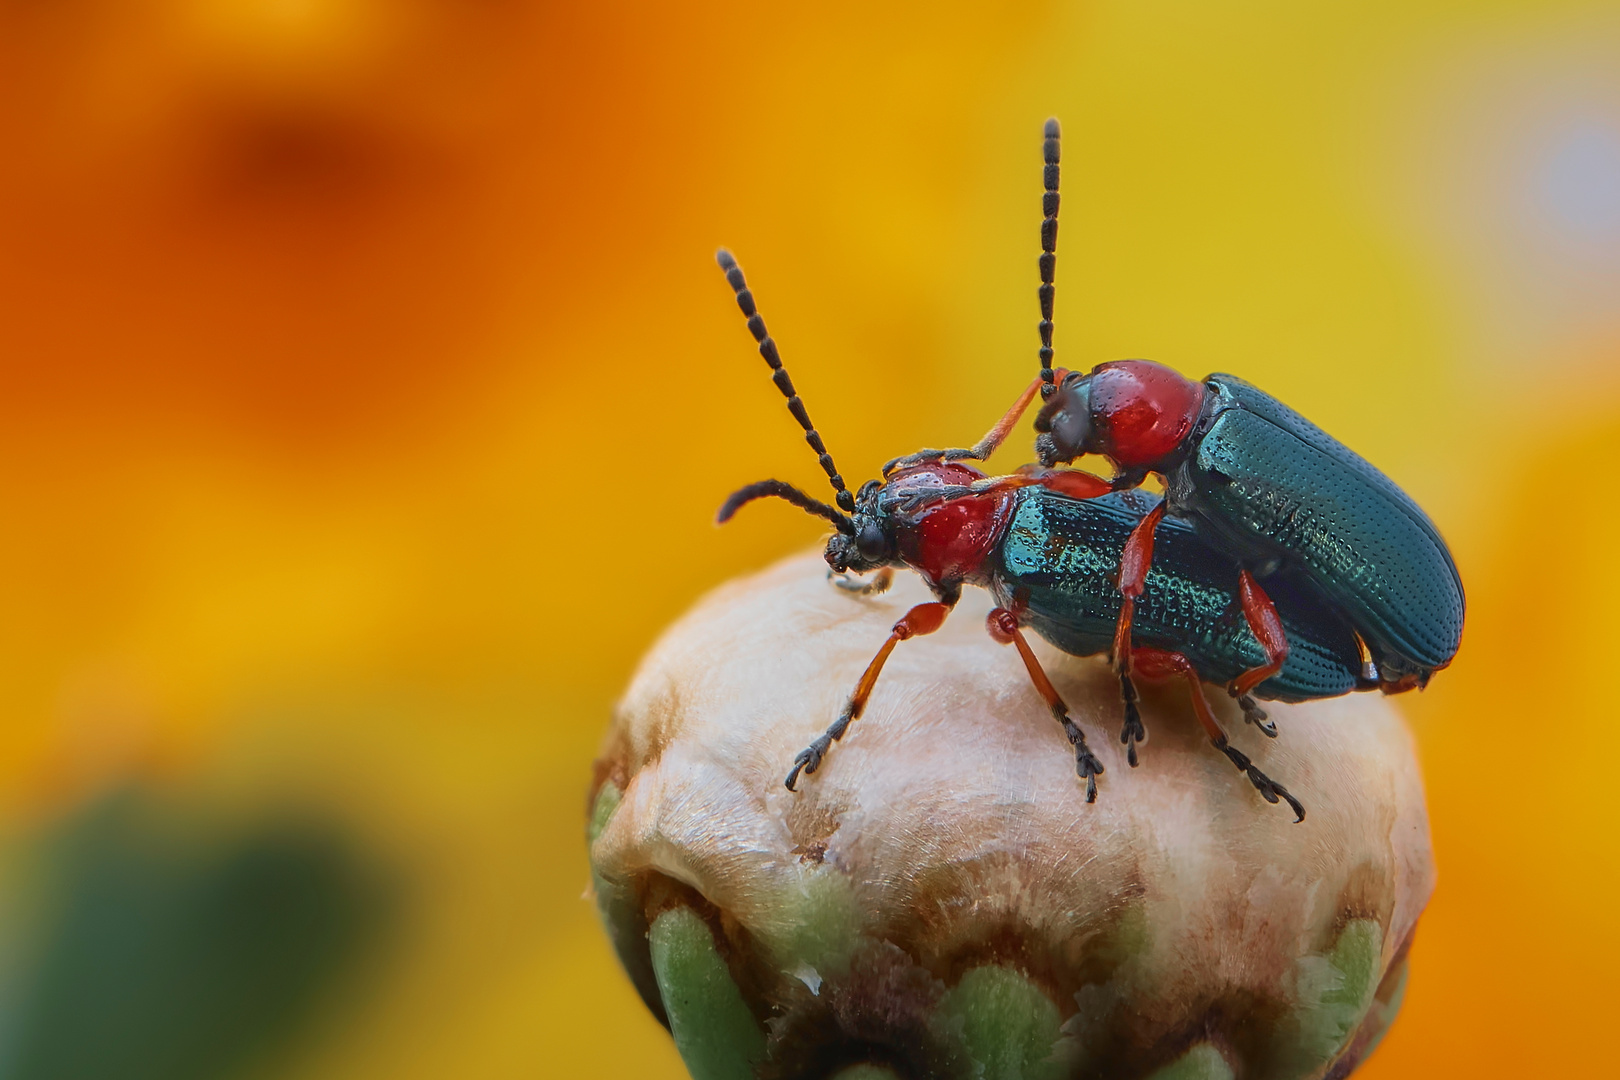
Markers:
(713, 1029)
(168, 951)
(1010, 1027)
(1202, 1062)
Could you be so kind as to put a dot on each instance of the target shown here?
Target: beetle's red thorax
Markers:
(949, 540)
(1144, 410)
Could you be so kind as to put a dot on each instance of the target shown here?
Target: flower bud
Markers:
(939, 900)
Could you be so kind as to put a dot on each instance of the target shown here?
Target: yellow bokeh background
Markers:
(367, 388)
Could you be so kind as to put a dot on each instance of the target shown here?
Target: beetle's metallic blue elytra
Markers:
(1278, 495)
(1269, 486)
(1059, 560)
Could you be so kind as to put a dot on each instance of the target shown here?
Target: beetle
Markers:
(1274, 490)
(954, 525)
(1256, 479)
(1052, 561)
(950, 522)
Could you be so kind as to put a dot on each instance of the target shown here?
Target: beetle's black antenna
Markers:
(1049, 211)
(779, 375)
(780, 490)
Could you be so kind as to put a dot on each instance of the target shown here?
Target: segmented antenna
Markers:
(779, 375)
(776, 489)
(1049, 211)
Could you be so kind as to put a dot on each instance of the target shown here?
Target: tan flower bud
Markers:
(939, 899)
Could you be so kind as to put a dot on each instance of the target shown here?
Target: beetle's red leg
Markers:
(1157, 663)
(1003, 427)
(1003, 627)
(986, 446)
(1134, 562)
(1075, 483)
(1267, 626)
(922, 619)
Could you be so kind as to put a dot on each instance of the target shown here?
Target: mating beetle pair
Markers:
(1254, 492)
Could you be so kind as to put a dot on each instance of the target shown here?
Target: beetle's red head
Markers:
(870, 543)
(883, 530)
(1134, 412)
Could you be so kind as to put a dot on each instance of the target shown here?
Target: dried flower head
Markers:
(940, 901)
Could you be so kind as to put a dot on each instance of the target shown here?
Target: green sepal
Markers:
(715, 1033)
(620, 911)
(1332, 995)
(1010, 1027)
(1202, 1062)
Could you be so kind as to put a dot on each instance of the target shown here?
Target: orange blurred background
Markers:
(367, 389)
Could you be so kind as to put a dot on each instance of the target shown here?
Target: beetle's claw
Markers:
(1254, 714)
(1268, 788)
(808, 761)
(1088, 768)
(1086, 765)
(1294, 804)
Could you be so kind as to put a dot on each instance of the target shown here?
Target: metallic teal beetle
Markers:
(1258, 481)
(1052, 546)
(1276, 494)
(1369, 595)
(1058, 562)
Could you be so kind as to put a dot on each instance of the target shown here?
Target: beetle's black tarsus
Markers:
(1051, 148)
(810, 758)
(979, 451)
(1133, 732)
(1254, 714)
(802, 761)
(779, 376)
(921, 457)
(1268, 788)
(879, 583)
(1086, 765)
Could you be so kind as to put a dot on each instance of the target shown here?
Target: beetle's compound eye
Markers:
(870, 541)
(1065, 422)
